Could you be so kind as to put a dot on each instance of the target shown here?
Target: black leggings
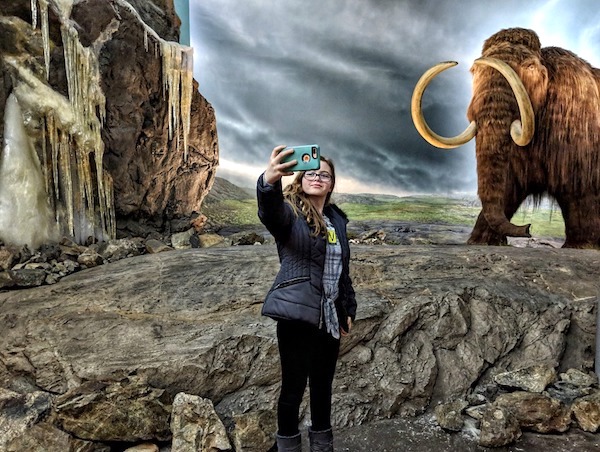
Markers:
(306, 352)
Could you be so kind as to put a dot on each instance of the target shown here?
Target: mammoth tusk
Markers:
(419, 120)
(521, 130)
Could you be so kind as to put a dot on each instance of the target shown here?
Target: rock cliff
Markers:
(101, 355)
(155, 177)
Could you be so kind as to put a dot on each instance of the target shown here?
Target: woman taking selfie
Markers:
(312, 297)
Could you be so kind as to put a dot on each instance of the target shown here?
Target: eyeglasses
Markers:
(323, 177)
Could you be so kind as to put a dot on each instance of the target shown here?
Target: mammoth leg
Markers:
(582, 221)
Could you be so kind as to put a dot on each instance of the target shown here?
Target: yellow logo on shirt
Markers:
(331, 237)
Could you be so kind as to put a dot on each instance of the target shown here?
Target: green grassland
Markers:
(232, 212)
(417, 209)
(546, 222)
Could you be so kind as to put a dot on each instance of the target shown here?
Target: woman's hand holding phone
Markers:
(276, 169)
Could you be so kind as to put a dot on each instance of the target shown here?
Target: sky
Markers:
(340, 73)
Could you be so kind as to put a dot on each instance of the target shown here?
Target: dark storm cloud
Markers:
(341, 74)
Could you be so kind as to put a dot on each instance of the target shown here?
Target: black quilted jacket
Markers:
(296, 292)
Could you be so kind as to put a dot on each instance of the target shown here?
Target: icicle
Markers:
(109, 196)
(45, 34)
(83, 75)
(79, 203)
(104, 202)
(187, 91)
(53, 138)
(178, 83)
(66, 178)
(171, 79)
(34, 14)
(47, 163)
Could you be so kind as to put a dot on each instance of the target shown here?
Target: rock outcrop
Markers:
(101, 355)
(153, 180)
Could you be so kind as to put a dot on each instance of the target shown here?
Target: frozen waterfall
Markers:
(25, 214)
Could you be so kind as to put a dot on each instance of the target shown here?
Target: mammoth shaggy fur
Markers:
(563, 158)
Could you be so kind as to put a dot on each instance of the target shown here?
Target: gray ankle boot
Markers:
(321, 441)
(289, 443)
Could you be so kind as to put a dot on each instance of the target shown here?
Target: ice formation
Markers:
(177, 79)
(79, 190)
(76, 188)
(177, 72)
(25, 214)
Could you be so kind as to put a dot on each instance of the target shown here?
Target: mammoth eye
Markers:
(530, 64)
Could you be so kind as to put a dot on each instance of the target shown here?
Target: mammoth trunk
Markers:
(496, 218)
(495, 192)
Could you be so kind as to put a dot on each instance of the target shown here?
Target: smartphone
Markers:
(308, 157)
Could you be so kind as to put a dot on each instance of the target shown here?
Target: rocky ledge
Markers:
(171, 347)
(22, 268)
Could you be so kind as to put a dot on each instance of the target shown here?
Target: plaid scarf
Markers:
(331, 278)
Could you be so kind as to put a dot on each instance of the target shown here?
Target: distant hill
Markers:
(363, 198)
(223, 190)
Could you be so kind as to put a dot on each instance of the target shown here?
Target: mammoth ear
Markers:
(534, 76)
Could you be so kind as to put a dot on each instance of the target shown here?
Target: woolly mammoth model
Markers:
(535, 116)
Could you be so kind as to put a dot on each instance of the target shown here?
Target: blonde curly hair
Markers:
(301, 204)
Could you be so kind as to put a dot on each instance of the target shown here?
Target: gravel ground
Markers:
(423, 435)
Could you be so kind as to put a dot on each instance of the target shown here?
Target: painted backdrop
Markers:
(341, 74)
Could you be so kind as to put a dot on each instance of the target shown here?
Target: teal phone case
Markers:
(307, 155)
